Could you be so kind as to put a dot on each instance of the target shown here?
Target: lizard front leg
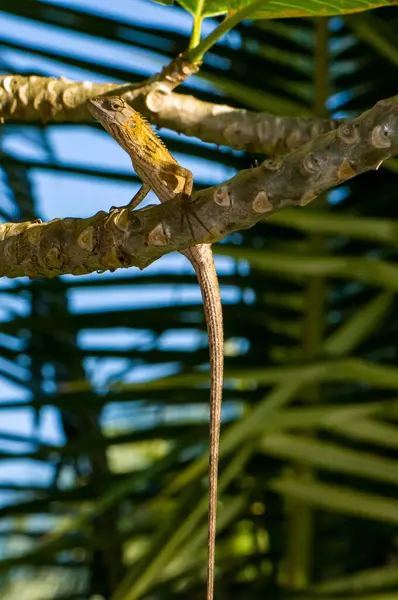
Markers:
(135, 201)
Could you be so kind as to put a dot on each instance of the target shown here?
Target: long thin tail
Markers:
(201, 257)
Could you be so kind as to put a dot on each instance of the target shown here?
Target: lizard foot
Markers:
(116, 209)
(134, 202)
(113, 211)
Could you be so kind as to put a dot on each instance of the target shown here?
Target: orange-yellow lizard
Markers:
(160, 172)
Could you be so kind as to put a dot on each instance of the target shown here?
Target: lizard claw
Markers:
(113, 211)
(134, 202)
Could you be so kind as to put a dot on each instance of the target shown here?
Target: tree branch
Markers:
(107, 242)
(55, 100)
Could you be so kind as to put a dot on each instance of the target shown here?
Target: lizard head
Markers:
(110, 110)
(132, 132)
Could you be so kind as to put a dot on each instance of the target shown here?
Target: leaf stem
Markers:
(195, 54)
(196, 29)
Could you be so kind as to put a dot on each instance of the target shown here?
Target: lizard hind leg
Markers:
(187, 211)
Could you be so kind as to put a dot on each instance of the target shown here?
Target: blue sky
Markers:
(61, 195)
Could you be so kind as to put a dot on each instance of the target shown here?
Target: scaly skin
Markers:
(160, 172)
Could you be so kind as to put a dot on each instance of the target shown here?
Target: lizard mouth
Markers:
(94, 107)
(107, 109)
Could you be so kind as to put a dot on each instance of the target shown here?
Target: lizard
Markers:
(160, 172)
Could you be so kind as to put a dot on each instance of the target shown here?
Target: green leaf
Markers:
(376, 272)
(138, 580)
(330, 457)
(254, 98)
(362, 581)
(384, 231)
(360, 326)
(339, 499)
(276, 10)
(365, 430)
(377, 33)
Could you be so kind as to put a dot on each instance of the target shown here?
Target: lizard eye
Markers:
(116, 105)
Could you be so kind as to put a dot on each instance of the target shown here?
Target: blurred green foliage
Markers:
(309, 472)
